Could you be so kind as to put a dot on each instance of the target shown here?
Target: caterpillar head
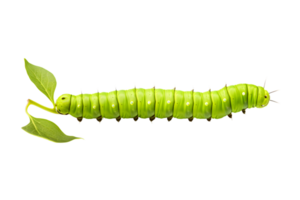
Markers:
(63, 104)
(265, 96)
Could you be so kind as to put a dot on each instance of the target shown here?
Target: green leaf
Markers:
(47, 129)
(42, 78)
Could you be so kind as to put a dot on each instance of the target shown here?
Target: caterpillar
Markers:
(159, 103)
(139, 103)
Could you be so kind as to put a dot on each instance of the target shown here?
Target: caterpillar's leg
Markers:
(209, 120)
(231, 117)
(245, 112)
(136, 118)
(152, 119)
(79, 120)
(169, 119)
(190, 120)
(99, 120)
(118, 120)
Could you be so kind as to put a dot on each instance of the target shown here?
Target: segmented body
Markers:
(150, 103)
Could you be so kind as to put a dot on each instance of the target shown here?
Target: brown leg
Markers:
(231, 117)
(136, 119)
(190, 120)
(79, 120)
(99, 120)
(245, 112)
(209, 120)
(151, 120)
(169, 119)
(118, 120)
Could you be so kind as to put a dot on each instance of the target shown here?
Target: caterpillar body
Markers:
(159, 103)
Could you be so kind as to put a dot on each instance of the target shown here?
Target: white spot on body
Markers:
(168, 101)
(94, 107)
(149, 102)
(78, 106)
(113, 105)
(131, 102)
(187, 103)
(224, 99)
(243, 93)
(206, 103)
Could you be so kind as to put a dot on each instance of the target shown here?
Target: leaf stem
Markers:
(30, 102)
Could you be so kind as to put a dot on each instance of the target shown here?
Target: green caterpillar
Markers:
(139, 103)
(151, 103)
